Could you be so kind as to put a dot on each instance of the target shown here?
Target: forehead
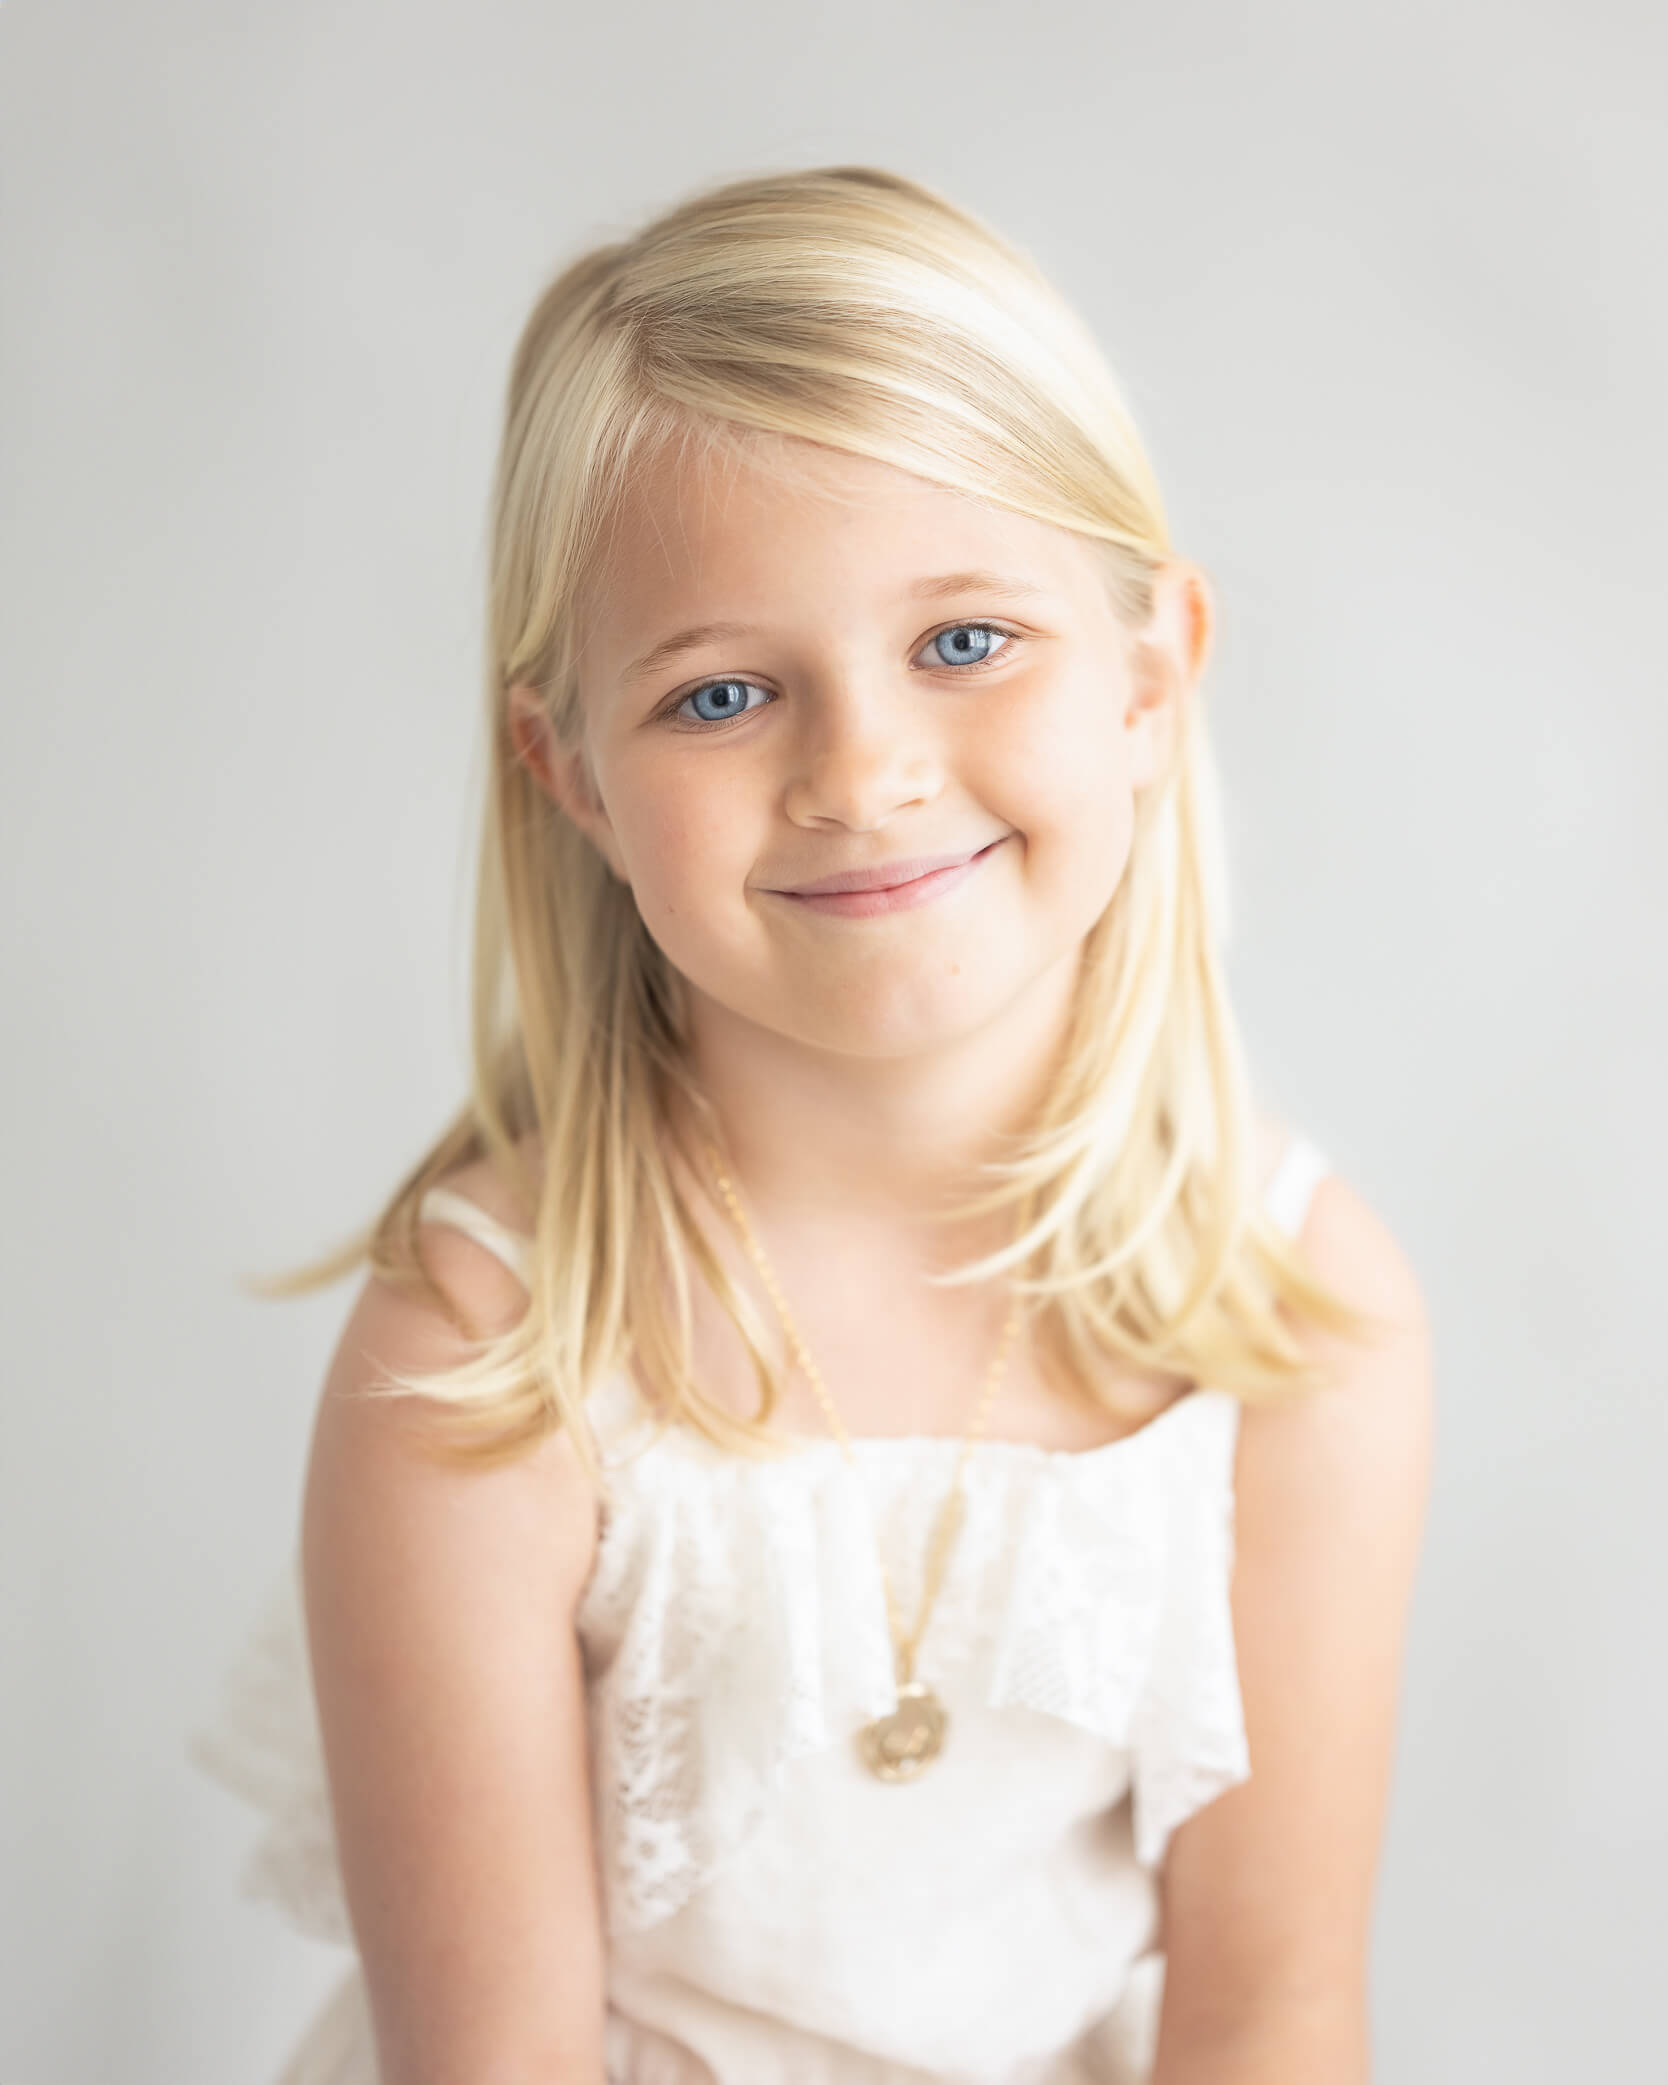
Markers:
(758, 525)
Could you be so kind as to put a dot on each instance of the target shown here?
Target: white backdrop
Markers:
(1385, 287)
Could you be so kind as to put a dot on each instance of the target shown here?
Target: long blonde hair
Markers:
(853, 308)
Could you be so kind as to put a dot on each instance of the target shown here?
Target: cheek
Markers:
(686, 857)
(1063, 775)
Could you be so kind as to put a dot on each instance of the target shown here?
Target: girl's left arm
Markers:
(1267, 1892)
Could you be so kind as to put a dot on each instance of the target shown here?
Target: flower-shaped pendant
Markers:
(900, 1746)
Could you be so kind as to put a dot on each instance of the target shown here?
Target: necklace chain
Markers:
(948, 1525)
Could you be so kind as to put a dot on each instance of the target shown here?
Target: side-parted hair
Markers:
(854, 308)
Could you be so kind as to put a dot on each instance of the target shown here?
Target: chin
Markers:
(905, 1023)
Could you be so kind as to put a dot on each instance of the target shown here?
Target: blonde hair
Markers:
(853, 308)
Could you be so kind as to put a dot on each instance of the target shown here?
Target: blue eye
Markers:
(967, 644)
(727, 699)
(722, 701)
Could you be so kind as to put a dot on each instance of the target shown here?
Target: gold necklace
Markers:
(901, 1745)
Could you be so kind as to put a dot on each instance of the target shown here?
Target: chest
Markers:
(899, 1358)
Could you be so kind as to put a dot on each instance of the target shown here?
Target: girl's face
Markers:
(800, 667)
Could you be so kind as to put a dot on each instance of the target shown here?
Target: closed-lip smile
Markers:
(888, 887)
(884, 876)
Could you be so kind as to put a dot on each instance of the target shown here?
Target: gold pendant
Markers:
(900, 1746)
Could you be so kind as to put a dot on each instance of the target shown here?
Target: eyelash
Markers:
(710, 724)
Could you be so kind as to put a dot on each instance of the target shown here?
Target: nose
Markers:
(864, 752)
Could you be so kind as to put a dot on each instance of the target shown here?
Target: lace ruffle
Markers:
(262, 1743)
(1188, 1734)
(736, 1622)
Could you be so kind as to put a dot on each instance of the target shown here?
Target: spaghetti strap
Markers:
(445, 1205)
(1303, 1166)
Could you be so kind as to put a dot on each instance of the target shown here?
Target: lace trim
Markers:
(1188, 1735)
(261, 1742)
(1091, 1588)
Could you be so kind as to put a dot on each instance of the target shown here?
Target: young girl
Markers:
(860, 1528)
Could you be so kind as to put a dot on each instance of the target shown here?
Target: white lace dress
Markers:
(777, 1916)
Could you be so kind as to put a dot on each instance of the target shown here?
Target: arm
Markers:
(1267, 1892)
(440, 1608)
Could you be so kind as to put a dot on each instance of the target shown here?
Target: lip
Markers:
(891, 886)
(885, 876)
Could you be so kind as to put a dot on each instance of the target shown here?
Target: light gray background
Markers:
(1385, 287)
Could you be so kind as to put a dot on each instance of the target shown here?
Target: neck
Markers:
(882, 1144)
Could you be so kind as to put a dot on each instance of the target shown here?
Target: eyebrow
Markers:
(685, 641)
(973, 583)
(941, 587)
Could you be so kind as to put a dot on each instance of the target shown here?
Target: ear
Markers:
(562, 772)
(1169, 661)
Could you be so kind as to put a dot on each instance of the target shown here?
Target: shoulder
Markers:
(1363, 1439)
(1349, 1246)
(1354, 1249)
(1356, 1254)
(369, 1444)
(1368, 1430)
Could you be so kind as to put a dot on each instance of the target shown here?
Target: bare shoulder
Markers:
(1339, 1477)
(1354, 1252)
(1269, 1889)
(1355, 1453)
(1351, 1243)
(392, 1332)
(1384, 1382)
